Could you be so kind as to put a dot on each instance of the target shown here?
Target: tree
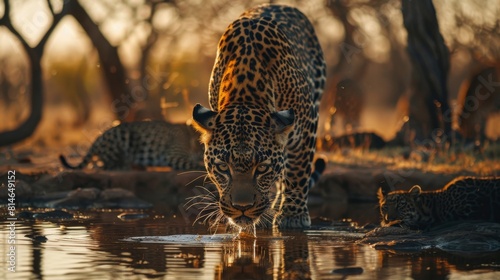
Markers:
(34, 54)
(112, 68)
(430, 114)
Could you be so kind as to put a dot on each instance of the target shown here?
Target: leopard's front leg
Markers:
(292, 209)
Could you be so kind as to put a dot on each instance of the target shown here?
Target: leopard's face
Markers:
(400, 207)
(244, 157)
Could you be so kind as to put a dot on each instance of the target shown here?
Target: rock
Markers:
(120, 198)
(77, 199)
(158, 188)
(87, 198)
(53, 215)
(85, 194)
(132, 216)
(115, 194)
(68, 181)
(42, 201)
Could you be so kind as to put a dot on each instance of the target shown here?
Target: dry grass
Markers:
(486, 163)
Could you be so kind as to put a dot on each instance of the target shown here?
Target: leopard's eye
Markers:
(263, 168)
(222, 167)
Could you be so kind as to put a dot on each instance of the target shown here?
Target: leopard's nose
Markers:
(243, 201)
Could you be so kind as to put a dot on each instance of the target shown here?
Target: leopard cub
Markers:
(465, 198)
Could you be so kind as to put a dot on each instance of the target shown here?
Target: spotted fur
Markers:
(465, 198)
(260, 133)
(143, 144)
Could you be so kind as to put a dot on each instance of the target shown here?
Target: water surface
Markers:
(94, 245)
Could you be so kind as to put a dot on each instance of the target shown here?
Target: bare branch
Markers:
(2, 19)
(8, 24)
(56, 18)
(26, 128)
(51, 8)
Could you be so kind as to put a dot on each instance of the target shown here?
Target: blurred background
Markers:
(107, 60)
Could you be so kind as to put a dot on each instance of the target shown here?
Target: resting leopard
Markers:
(260, 133)
(465, 198)
(142, 144)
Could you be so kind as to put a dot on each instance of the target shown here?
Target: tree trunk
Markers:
(34, 54)
(430, 114)
(27, 128)
(111, 65)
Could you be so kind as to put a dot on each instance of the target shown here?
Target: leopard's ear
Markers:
(415, 190)
(383, 190)
(283, 124)
(380, 194)
(204, 122)
(283, 120)
(204, 118)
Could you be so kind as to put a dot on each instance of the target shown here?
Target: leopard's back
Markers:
(470, 198)
(143, 144)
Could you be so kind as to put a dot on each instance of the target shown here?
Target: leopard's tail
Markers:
(319, 168)
(81, 165)
(97, 148)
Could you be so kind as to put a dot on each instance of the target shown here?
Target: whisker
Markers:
(195, 179)
(204, 204)
(207, 178)
(210, 216)
(194, 199)
(205, 217)
(206, 212)
(209, 195)
(191, 171)
(218, 217)
(209, 192)
(266, 219)
(208, 206)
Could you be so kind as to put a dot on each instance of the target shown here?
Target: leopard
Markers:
(462, 199)
(260, 130)
(142, 144)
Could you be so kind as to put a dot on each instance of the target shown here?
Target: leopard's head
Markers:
(245, 158)
(400, 207)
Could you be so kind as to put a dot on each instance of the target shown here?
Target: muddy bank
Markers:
(87, 189)
(94, 189)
